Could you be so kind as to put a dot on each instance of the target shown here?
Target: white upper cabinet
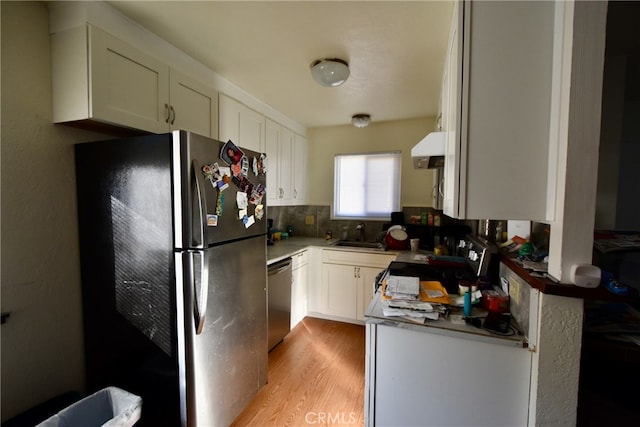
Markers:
(100, 78)
(279, 148)
(243, 126)
(498, 78)
(194, 106)
(299, 170)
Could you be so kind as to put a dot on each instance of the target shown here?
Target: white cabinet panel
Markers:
(366, 279)
(99, 78)
(279, 148)
(243, 126)
(315, 300)
(340, 285)
(194, 106)
(423, 378)
(285, 166)
(300, 271)
(499, 64)
(127, 86)
(347, 283)
(299, 170)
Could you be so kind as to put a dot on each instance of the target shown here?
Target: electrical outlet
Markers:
(309, 219)
(514, 291)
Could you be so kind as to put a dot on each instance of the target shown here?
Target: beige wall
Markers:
(402, 135)
(42, 346)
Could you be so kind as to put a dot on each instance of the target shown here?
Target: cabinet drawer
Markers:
(365, 259)
(299, 259)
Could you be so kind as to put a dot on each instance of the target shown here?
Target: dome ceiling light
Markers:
(329, 72)
(361, 120)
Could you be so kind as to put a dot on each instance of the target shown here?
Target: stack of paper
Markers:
(403, 287)
(413, 300)
(413, 315)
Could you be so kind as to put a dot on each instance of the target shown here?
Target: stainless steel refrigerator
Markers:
(173, 260)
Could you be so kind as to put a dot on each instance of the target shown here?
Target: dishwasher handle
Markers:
(279, 267)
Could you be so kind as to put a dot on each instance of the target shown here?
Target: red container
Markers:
(396, 239)
(495, 302)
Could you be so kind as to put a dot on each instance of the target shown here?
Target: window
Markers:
(366, 186)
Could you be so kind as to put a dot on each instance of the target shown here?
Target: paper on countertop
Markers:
(424, 287)
(434, 293)
(457, 319)
(405, 285)
(535, 266)
(411, 305)
(398, 312)
(420, 257)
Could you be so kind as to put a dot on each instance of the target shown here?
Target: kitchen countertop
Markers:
(547, 286)
(289, 247)
(442, 326)
(285, 248)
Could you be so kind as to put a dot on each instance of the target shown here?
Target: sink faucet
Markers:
(360, 227)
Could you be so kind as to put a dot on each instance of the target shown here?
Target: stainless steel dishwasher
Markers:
(279, 301)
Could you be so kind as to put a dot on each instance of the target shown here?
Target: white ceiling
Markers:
(395, 50)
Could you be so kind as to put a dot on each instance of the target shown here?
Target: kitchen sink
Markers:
(359, 244)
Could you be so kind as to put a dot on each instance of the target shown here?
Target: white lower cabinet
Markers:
(367, 277)
(340, 284)
(416, 378)
(300, 272)
(347, 283)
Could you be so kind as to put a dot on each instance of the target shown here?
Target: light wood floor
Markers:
(316, 377)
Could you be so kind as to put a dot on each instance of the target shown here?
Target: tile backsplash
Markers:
(314, 221)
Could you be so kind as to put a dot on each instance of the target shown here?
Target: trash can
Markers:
(109, 407)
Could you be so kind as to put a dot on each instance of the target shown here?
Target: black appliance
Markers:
(174, 274)
(475, 260)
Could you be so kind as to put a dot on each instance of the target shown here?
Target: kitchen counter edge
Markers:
(547, 286)
(293, 245)
(374, 315)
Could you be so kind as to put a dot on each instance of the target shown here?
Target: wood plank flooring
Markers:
(316, 377)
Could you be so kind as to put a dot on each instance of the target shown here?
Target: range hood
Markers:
(429, 152)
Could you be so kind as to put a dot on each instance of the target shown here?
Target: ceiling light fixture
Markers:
(329, 72)
(361, 120)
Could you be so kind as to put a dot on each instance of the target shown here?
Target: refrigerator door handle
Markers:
(202, 207)
(201, 293)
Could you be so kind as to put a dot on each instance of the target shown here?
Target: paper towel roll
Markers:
(585, 275)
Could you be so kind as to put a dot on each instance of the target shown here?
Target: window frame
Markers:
(396, 155)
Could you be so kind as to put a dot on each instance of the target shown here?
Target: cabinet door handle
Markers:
(295, 193)
(167, 113)
(173, 114)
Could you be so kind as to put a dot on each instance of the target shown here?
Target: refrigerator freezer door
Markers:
(201, 210)
(226, 363)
